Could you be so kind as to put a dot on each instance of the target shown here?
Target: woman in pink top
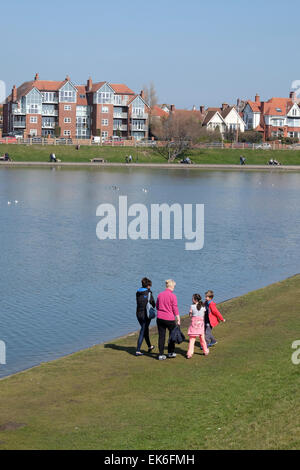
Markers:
(167, 311)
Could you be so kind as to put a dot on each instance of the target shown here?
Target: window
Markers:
(67, 107)
(82, 96)
(104, 109)
(104, 122)
(67, 94)
(49, 97)
(67, 133)
(33, 108)
(33, 132)
(33, 119)
(104, 134)
(67, 120)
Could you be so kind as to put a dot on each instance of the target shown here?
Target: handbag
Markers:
(151, 311)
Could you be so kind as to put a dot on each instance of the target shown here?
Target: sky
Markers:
(195, 52)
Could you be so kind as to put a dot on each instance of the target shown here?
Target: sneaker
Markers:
(151, 349)
(162, 357)
(139, 353)
(171, 355)
(212, 343)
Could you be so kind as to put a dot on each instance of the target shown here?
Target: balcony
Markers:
(48, 125)
(139, 116)
(120, 115)
(139, 128)
(48, 112)
(18, 111)
(123, 127)
(19, 124)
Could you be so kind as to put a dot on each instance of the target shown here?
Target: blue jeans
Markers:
(144, 333)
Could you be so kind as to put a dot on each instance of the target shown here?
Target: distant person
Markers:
(141, 314)
(196, 329)
(52, 157)
(77, 147)
(242, 160)
(126, 159)
(7, 157)
(167, 312)
(271, 162)
(130, 158)
(212, 318)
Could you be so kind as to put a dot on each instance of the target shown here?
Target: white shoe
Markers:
(171, 355)
(162, 358)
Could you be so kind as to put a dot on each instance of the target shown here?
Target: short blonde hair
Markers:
(170, 283)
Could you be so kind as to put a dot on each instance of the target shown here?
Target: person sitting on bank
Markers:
(7, 157)
(242, 160)
(52, 157)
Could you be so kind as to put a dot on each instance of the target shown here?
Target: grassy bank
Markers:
(245, 394)
(38, 153)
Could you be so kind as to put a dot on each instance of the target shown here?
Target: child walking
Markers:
(212, 318)
(196, 329)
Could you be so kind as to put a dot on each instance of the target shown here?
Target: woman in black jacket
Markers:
(141, 314)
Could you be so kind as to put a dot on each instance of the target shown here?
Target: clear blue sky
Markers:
(195, 51)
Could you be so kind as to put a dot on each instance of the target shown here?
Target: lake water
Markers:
(63, 290)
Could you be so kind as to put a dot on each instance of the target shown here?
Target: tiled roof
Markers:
(96, 86)
(81, 92)
(254, 106)
(156, 111)
(209, 115)
(121, 89)
(277, 106)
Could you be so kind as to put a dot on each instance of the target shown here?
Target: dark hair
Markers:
(146, 282)
(199, 301)
(209, 294)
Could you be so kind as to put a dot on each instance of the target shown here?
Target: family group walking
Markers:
(204, 316)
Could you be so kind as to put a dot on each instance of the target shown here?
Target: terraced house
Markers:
(63, 109)
(275, 118)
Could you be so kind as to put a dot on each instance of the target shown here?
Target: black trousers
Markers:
(162, 326)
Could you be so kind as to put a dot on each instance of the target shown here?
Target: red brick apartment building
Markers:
(60, 108)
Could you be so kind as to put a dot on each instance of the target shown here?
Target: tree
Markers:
(150, 94)
(178, 132)
(57, 131)
(253, 137)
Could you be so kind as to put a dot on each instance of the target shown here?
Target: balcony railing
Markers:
(123, 127)
(48, 125)
(139, 116)
(19, 124)
(120, 115)
(49, 112)
(139, 129)
(19, 111)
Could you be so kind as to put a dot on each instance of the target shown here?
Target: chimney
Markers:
(224, 106)
(89, 84)
(14, 94)
(257, 98)
(172, 108)
(194, 108)
(293, 96)
(36, 77)
(67, 78)
(142, 94)
(202, 109)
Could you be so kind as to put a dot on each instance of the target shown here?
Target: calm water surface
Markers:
(63, 290)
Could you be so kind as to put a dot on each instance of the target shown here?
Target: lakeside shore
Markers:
(176, 166)
(98, 398)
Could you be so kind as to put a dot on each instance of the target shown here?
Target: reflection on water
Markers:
(63, 290)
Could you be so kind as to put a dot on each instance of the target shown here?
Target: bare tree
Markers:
(150, 94)
(178, 132)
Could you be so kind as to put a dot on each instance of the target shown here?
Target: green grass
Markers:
(37, 153)
(244, 395)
